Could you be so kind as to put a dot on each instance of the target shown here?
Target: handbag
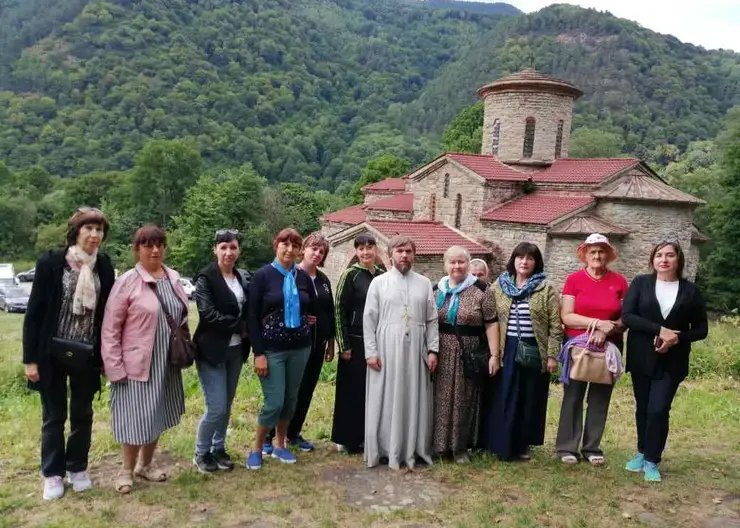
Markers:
(527, 355)
(475, 360)
(182, 351)
(589, 365)
(75, 355)
(274, 329)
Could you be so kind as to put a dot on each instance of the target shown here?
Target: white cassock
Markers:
(400, 327)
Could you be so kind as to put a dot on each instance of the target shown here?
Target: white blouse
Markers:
(666, 293)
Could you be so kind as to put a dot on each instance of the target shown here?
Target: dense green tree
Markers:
(50, 236)
(384, 166)
(17, 226)
(233, 199)
(465, 133)
(163, 173)
(592, 143)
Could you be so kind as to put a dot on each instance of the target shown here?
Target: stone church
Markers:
(521, 187)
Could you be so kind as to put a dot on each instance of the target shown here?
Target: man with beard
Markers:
(401, 343)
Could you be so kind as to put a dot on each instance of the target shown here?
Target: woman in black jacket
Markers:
(665, 314)
(314, 252)
(61, 340)
(348, 429)
(221, 293)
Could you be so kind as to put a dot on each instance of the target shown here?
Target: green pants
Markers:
(280, 386)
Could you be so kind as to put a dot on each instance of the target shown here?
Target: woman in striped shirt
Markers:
(530, 339)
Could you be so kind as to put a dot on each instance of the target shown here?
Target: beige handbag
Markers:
(588, 365)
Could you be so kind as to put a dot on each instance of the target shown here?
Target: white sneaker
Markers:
(53, 488)
(79, 481)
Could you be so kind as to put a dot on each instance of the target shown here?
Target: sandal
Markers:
(124, 482)
(596, 460)
(569, 460)
(150, 473)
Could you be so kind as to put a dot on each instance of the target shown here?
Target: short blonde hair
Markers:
(398, 241)
(456, 251)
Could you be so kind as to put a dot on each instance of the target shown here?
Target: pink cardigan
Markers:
(130, 324)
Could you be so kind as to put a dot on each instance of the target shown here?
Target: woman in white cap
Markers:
(591, 295)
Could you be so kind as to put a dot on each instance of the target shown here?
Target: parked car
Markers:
(188, 286)
(13, 299)
(26, 276)
(7, 274)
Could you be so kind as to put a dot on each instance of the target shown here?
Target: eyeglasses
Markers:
(222, 232)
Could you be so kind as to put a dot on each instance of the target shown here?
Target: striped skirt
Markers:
(142, 411)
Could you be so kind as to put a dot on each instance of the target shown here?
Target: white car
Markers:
(188, 286)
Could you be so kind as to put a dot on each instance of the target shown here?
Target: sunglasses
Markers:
(222, 232)
(152, 244)
(86, 210)
(672, 241)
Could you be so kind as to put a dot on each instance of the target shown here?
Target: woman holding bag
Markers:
(146, 390)
(530, 337)
(665, 313)
(591, 296)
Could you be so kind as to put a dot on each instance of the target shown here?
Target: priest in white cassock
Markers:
(401, 344)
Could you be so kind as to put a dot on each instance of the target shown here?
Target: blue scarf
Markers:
(512, 291)
(444, 290)
(291, 299)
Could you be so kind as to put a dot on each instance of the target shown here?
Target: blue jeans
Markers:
(280, 386)
(219, 387)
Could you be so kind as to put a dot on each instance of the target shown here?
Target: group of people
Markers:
(424, 370)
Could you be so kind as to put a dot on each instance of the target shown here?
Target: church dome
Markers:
(531, 80)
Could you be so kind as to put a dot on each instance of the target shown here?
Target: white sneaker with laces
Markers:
(53, 488)
(80, 481)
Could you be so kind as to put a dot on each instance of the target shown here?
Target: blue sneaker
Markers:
(284, 455)
(637, 463)
(254, 461)
(302, 444)
(267, 448)
(652, 474)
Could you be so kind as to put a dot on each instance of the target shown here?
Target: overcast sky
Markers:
(709, 23)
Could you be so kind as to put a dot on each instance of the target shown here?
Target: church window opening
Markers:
(446, 193)
(495, 136)
(433, 207)
(458, 211)
(559, 140)
(528, 138)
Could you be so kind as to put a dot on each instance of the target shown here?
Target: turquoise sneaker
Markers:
(652, 474)
(636, 465)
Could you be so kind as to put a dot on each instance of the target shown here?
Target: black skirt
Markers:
(348, 428)
(516, 410)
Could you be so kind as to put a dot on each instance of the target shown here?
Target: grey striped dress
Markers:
(142, 411)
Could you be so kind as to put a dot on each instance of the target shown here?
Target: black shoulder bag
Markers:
(474, 360)
(182, 350)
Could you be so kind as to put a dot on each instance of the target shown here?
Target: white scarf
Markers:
(85, 296)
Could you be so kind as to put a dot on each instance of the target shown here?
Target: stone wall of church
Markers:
(648, 224)
(511, 110)
(505, 238)
(395, 216)
(329, 228)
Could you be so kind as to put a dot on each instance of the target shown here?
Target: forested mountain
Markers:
(483, 8)
(310, 90)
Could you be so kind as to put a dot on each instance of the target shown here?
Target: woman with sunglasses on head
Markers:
(147, 397)
(664, 313)
(61, 341)
(221, 293)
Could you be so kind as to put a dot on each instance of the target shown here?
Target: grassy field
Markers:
(701, 469)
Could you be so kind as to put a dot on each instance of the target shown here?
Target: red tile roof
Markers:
(397, 202)
(564, 170)
(431, 238)
(583, 170)
(350, 215)
(488, 167)
(389, 184)
(537, 208)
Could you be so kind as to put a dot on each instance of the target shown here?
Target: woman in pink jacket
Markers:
(146, 392)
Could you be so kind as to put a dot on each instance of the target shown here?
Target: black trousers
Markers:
(56, 457)
(653, 399)
(305, 394)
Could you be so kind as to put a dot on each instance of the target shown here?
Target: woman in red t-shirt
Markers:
(591, 293)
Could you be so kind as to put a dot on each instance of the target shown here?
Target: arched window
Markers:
(559, 139)
(458, 211)
(433, 207)
(495, 136)
(446, 193)
(528, 138)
